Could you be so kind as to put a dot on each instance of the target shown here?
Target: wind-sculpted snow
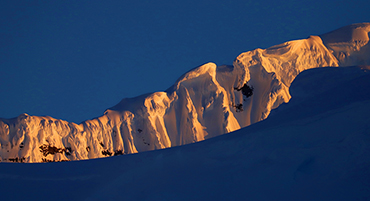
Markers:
(205, 102)
(316, 147)
(350, 44)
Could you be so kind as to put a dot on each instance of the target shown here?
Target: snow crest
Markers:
(205, 102)
(350, 44)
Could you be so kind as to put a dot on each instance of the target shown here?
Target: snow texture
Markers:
(316, 147)
(205, 102)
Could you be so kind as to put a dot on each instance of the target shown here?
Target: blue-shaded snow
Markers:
(316, 147)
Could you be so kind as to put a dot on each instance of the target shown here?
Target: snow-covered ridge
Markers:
(349, 44)
(205, 102)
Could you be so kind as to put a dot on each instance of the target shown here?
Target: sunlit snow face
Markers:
(350, 44)
(74, 61)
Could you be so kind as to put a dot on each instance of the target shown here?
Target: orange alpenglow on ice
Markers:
(205, 102)
(290, 122)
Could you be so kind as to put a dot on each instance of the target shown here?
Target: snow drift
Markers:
(316, 147)
(205, 102)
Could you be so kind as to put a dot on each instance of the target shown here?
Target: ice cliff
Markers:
(205, 102)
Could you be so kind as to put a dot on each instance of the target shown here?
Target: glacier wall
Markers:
(205, 102)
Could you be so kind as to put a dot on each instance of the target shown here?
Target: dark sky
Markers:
(73, 59)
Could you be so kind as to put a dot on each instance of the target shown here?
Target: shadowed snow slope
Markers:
(205, 102)
(316, 147)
